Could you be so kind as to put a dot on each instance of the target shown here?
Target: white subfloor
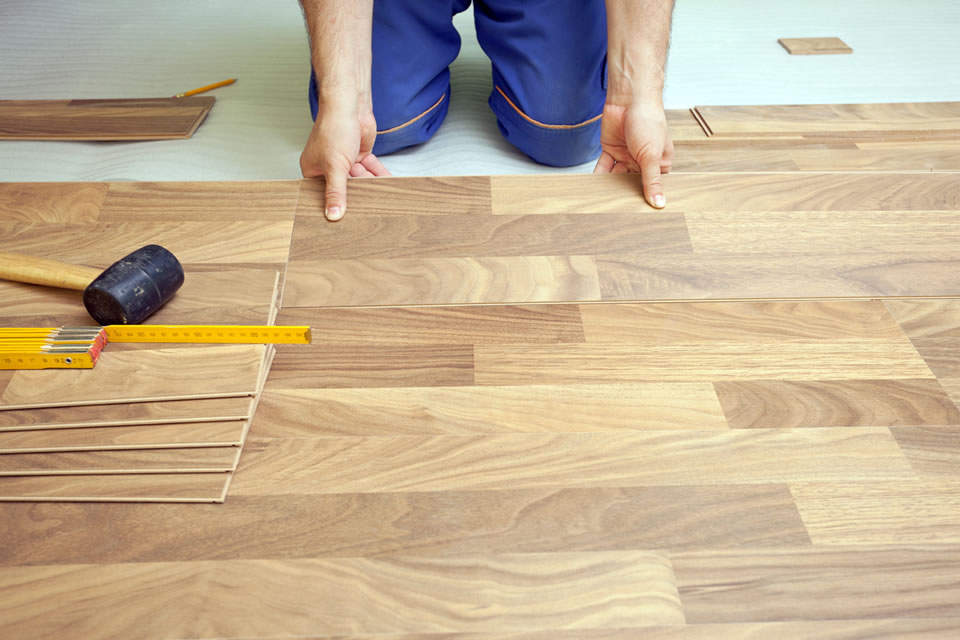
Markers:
(723, 52)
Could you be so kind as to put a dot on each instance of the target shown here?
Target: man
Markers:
(573, 79)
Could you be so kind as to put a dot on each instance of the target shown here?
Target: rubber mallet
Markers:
(128, 292)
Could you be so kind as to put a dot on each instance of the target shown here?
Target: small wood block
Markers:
(814, 46)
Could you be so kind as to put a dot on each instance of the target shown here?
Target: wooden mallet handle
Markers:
(51, 273)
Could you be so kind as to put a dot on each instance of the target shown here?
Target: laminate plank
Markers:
(186, 487)
(415, 281)
(102, 119)
(683, 126)
(224, 296)
(778, 276)
(129, 414)
(881, 156)
(691, 158)
(156, 374)
(211, 241)
(321, 366)
(697, 361)
(916, 511)
(901, 119)
(934, 452)
(249, 200)
(223, 433)
(814, 46)
(292, 413)
(831, 232)
(819, 584)
(431, 523)
(952, 387)
(59, 202)
(665, 323)
(422, 236)
(766, 192)
(455, 196)
(927, 318)
(193, 460)
(753, 404)
(942, 355)
(516, 461)
(500, 324)
(271, 598)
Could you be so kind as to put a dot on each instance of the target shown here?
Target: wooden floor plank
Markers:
(499, 324)
(413, 281)
(43, 202)
(933, 451)
(271, 598)
(184, 487)
(819, 584)
(751, 404)
(881, 156)
(459, 196)
(651, 458)
(942, 355)
(291, 413)
(902, 512)
(131, 414)
(174, 374)
(814, 46)
(927, 318)
(195, 460)
(264, 200)
(332, 366)
(227, 433)
(697, 361)
(434, 523)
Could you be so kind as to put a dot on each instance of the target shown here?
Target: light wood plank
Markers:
(500, 324)
(941, 354)
(697, 361)
(683, 126)
(122, 437)
(927, 318)
(752, 404)
(933, 451)
(424, 463)
(270, 598)
(819, 584)
(195, 460)
(881, 156)
(665, 323)
(917, 511)
(478, 410)
(814, 46)
(467, 195)
(320, 366)
(703, 157)
(155, 374)
(131, 414)
(189, 487)
(411, 281)
(264, 200)
(57, 202)
(435, 523)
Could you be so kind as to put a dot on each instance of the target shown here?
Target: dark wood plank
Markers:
(404, 196)
(264, 200)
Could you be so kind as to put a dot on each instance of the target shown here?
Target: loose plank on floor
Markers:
(168, 436)
(814, 46)
(136, 413)
(271, 598)
(194, 460)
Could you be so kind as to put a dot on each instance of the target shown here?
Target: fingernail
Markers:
(334, 213)
(659, 201)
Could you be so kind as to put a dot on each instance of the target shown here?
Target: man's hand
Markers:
(634, 139)
(340, 145)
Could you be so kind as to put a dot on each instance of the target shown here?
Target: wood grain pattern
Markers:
(438, 463)
(880, 156)
(683, 126)
(267, 598)
(927, 318)
(788, 584)
(814, 46)
(167, 436)
(193, 460)
(62, 203)
(468, 410)
(880, 513)
(130, 414)
(697, 361)
(265, 200)
(408, 196)
(932, 451)
(154, 374)
(412, 281)
(375, 524)
(103, 119)
(751, 404)
(191, 487)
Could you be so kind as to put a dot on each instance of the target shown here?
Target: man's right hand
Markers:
(340, 145)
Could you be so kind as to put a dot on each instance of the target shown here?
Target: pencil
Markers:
(215, 85)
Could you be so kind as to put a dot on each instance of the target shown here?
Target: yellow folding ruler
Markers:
(79, 347)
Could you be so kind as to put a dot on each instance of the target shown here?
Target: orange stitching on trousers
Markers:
(541, 124)
(409, 122)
